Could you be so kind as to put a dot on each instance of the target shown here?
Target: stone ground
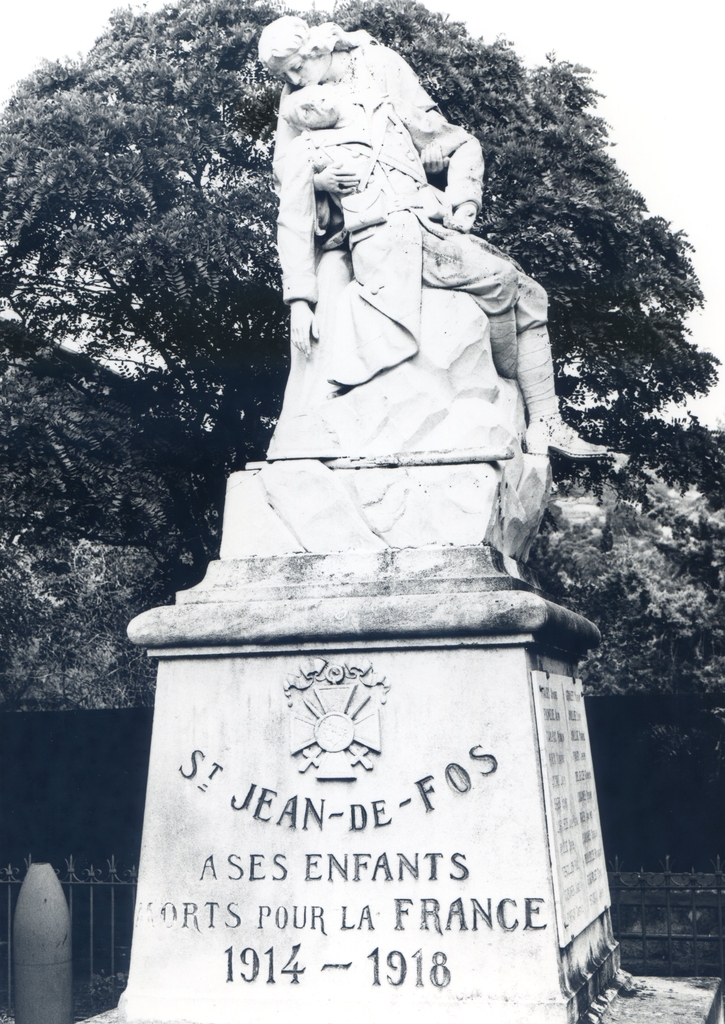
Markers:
(665, 1000)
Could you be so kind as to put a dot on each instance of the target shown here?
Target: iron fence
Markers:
(669, 922)
(101, 904)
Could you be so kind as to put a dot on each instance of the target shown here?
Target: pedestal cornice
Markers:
(443, 593)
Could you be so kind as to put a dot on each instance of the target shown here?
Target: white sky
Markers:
(657, 62)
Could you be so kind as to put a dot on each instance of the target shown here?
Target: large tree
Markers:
(137, 262)
(144, 341)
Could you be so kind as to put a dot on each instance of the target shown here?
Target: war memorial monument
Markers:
(371, 793)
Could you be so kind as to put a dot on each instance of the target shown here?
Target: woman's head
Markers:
(288, 52)
(300, 55)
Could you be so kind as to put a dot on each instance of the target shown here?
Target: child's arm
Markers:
(331, 173)
(429, 128)
(335, 180)
(444, 145)
(464, 190)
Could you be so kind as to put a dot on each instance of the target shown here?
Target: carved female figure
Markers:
(361, 230)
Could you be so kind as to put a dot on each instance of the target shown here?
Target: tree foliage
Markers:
(144, 341)
(63, 614)
(654, 583)
(138, 266)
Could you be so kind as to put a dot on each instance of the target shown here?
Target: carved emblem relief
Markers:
(335, 721)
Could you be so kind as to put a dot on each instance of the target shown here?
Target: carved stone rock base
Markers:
(446, 398)
(302, 505)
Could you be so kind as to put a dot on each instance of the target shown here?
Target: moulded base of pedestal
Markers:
(298, 599)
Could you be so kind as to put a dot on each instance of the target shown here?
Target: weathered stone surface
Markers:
(294, 505)
(306, 620)
(524, 492)
(419, 773)
(390, 571)
(377, 597)
(423, 505)
(251, 526)
(314, 506)
(359, 573)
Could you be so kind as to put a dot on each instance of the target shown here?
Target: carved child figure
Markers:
(403, 233)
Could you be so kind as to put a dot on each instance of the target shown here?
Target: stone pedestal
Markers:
(370, 792)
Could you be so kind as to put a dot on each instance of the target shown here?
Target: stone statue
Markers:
(357, 134)
(420, 353)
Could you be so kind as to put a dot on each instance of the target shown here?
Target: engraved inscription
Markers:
(195, 758)
(244, 959)
(580, 880)
(265, 804)
(253, 901)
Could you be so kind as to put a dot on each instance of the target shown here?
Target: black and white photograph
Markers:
(362, 512)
